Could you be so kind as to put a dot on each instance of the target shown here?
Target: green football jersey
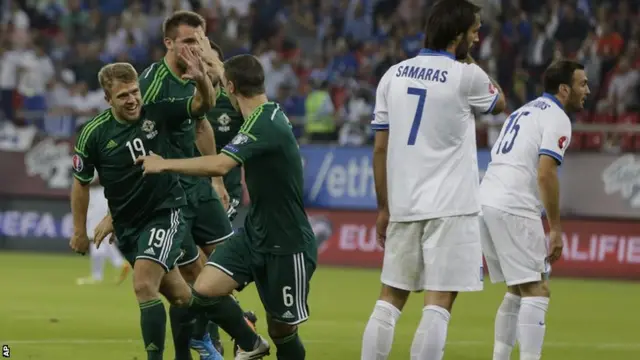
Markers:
(266, 146)
(226, 122)
(111, 147)
(158, 82)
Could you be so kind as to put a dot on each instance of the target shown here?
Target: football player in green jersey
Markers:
(226, 122)
(205, 214)
(277, 249)
(147, 211)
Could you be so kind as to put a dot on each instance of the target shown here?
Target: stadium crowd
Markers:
(323, 58)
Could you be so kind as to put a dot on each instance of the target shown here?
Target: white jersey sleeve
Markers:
(482, 94)
(381, 110)
(556, 138)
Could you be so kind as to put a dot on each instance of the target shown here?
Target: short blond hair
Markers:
(120, 71)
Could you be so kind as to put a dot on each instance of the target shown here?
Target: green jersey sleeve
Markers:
(150, 81)
(172, 111)
(83, 160)
(249, 143)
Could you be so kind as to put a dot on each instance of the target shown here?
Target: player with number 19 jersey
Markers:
(428, 103)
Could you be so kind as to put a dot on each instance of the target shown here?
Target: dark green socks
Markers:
(290, 347)
(226, 312)
(182, 323)
(153, 321)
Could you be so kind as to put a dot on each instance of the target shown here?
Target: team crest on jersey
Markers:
(240, 139)
(562, 142)
(78, 165)
(224, 120)
(149, 127)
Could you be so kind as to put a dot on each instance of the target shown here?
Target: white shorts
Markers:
(441, 254)
(514, 247)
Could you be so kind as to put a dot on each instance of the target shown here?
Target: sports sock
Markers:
(200, 328)
(290, 347)
(531, 326)
(431, 336)
(153, 320)
(378, 334)
(97, 263)
(505, 327)
(213, 330)
(226, 312)
(182, 323)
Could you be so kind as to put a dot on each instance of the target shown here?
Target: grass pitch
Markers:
(44, 315)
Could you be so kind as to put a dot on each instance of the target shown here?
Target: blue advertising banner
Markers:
(342, 177)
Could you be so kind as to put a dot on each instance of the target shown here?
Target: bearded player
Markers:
(426, 178)
(277, 249)
(524, 170)
(147, 212)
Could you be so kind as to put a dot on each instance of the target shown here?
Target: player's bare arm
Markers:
(79, 206)
(206, 143)
(104, 229)
(380, 178)
(212, 165)
(550, 196)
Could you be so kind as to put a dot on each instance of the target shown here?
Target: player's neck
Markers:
(249, 105)
(172, 63)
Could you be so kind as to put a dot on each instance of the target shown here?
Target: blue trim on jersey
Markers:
(551, 153)
(554, 99)
(493, 104)
(428, 52)
(380, 126)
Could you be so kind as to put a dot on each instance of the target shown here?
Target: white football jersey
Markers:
(428, 103)
(510, 184)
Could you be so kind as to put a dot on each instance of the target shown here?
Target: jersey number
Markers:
(505, 145)
(287, 297)
(417, 118)
(136, 148)
(157, 237)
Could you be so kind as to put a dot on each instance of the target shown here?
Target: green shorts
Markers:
(282, 281)
(208, 224)
(159, 239)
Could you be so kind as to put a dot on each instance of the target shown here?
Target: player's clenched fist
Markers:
(79, 243)
(151, 164)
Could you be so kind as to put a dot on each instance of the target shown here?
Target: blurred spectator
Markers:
(320, 120)
(35, 72)
(622, 89)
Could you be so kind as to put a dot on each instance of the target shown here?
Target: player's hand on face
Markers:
(221, 190)
(79, 243)
(151, 164)
(194, 64)
(381, 227)
(104, 229)
(555, 246)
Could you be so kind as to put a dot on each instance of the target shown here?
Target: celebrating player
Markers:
(147, 212)
(226, 122)
(426, 178)
(524, 162)
(205, 214)
(277, 250)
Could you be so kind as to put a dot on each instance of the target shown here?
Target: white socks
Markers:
(531, 326)
(378, 335)
(505, 327)
(431, 336)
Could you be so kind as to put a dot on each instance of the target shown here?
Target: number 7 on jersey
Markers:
(417, 118)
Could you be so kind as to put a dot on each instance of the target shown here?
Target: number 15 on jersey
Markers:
(508, 138)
